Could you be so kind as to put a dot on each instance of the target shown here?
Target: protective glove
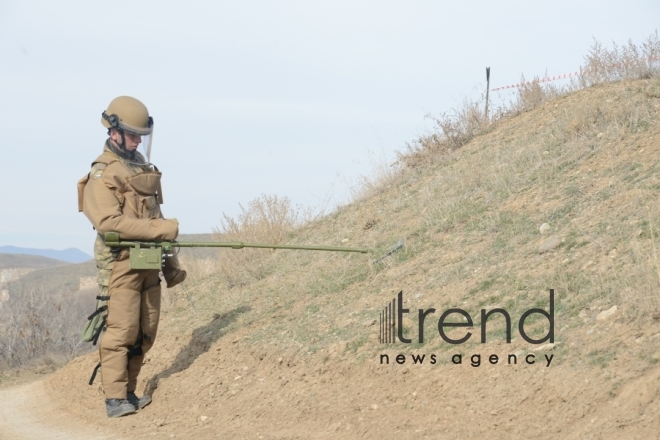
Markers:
(172, 272)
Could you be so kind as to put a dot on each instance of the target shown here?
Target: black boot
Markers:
(118, 407)
(138, 403)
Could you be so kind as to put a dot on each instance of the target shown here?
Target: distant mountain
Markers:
(71, 255)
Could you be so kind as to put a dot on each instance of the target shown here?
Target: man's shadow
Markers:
(202, 339)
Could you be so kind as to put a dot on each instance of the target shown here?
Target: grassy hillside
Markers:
(290, 348)
(56, 280)
(12, 261)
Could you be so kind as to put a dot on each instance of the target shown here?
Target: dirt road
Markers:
(27, 412)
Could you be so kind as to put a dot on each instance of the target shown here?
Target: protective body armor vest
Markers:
(136, 187)
(138, 190)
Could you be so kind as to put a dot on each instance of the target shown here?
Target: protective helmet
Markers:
(128, 114)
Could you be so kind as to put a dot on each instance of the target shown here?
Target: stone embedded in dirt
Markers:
(345, 240)
(602, 316)
(203, 418)
(544, 228)
(550, 244)
(587, 264)
(546, 347)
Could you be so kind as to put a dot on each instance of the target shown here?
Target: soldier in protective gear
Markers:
(122, 193)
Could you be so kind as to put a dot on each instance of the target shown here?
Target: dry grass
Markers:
(268, 219)
(621, 63)
(382, 176)
(458, 127)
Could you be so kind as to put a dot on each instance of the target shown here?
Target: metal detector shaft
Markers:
(151, 254)
(233, 245)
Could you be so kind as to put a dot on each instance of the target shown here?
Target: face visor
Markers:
(138, 147)
(135, 142)
(133, 147)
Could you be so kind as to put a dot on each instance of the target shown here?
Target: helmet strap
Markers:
(122, 146)
(123, 151)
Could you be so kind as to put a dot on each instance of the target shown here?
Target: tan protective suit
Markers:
(119, 195)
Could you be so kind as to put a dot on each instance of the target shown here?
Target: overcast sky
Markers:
(277, 97)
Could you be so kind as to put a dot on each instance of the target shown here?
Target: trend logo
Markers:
(391, 318)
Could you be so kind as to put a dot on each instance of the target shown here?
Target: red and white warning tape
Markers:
(546, 79)
(553, 78)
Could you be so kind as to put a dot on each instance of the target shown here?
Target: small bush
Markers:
(621, 63)
(268, 219)
(452, 130)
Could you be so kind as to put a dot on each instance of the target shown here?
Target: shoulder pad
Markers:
(97, 170)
